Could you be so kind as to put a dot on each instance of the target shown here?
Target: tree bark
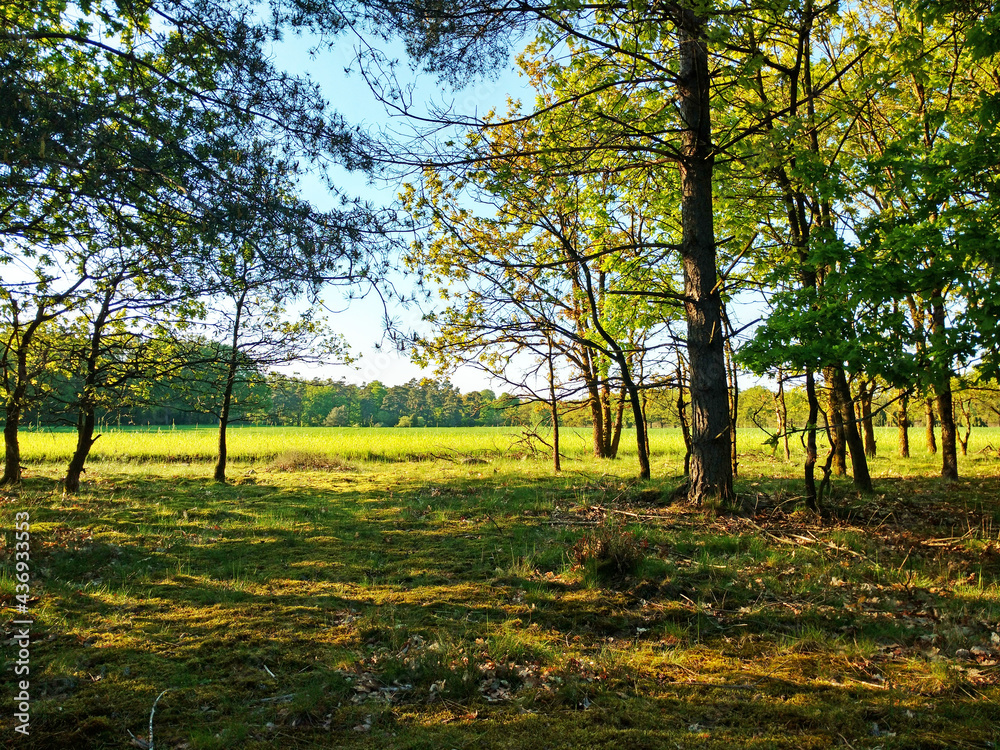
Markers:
(232, 367)
(86, 419)
(12, 448)
(616, 433)
(865, 401)
(554, 403)
(903, 423)
(949, 447)
(812, 497)
(929, 425)
(14, 407)
(781, 413)
(838, 432)
(596, 412)
(711, 475)
(859, 462)
(682, 416)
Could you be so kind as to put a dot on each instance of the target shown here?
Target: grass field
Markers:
(340, 593)
(267, 444)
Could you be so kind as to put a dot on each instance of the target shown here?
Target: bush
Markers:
(610, 552)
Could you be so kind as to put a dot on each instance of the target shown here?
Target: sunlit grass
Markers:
(380, 602)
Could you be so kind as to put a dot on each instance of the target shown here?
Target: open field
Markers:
(339, 595)
(266, 444)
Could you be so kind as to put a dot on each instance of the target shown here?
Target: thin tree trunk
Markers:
(859, 462)
(616, 433)
(838, 432)
(865, 401)
(640, 424)
(682, 415)
(812, 497)
(781, 410)
(16, 395)
(596, 413)
(734, 392)
(555, 412)
(929, 421)
(963, 442)
(711, 475)
(903, 423)
(606, 418)
(227, 392)
(86, 420)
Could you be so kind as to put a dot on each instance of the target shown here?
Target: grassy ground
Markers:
(328, 601)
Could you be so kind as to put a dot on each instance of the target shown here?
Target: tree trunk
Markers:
(859, 462)
(640, 425)
(734, 393)
(838, 432)
(963, 442)
(903, 423)
(596, 413)
(616, 433)
(86, 419)
(227, 392)
(929, 425)
(685, 422)
(606, 418)
(711, 475)
(812, 497)
(949, 448)
(781, 412)
(865, 400)
(555, 413)
(16, 396)
(85, 440)
(12, 448)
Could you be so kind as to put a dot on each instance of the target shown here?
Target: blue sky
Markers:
(349, 94)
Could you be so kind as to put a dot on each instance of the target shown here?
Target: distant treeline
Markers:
(294, 401)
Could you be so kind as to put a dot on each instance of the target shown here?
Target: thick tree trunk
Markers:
(85, 440)
(929, 425)
(903, 423)
(949, 447)
(12, 448)
(859, 462)
(711, 475)
(16, 396)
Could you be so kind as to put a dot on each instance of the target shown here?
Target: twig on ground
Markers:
(152, 712)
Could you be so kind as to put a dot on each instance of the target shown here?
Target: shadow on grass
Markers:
(440, 610)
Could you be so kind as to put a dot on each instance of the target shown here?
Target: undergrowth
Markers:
(443, 604)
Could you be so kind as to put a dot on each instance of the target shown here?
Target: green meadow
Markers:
(443, 588)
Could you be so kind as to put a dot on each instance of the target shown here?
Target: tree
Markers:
(638, 53)
(122, 122)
